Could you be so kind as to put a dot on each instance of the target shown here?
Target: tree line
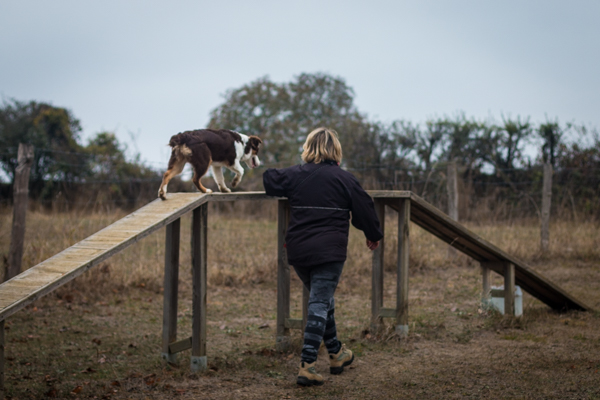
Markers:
(64, 169)
(499, 161)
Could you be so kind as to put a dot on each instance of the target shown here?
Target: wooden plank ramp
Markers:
(45, 277)
(441, 225)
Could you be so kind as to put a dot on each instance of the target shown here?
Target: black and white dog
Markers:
(211, 147)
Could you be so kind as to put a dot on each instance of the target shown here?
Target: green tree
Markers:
(54, 133)
(108, 165)
(283, 114)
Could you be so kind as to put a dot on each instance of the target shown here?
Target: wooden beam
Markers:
(294, 323)
(170, 289)
(452, 190)
(481, 250)
(182, 345)
(377, 271)
(20, 199)
(509, 289)
(546, 203)
(402, 266)
(199, 282)
(486, 276)
(388, 313)
(147, 220)
(283, 279)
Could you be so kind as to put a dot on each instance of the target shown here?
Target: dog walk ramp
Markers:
(75, 260)
(47, 276)
(458, 236)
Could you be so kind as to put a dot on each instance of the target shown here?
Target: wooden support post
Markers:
(546, 203)
(402, 266)
(20, 197)
(170, 289)
(199, 276)
(452, 190)
(2, 359)
(509, 289)
(377, 273)
(486, 275)
(283, 278)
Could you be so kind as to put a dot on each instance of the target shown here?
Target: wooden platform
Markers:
(441, 225)
(72, 262)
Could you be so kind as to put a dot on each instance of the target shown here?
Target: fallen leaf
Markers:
(77, 389)
(264, 326)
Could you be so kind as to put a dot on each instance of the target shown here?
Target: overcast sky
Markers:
(148, 69)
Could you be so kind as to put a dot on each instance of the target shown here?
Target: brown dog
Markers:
(210, 147)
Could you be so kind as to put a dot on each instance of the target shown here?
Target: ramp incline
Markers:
(75, 260)
(441, 225)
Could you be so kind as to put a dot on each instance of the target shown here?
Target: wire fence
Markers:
(500, 194)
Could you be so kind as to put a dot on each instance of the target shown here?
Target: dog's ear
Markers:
(255, 142)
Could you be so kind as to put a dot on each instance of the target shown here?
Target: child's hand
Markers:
(372, 245)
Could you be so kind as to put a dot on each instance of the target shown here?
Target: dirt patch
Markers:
(100, 336)
(111, 349)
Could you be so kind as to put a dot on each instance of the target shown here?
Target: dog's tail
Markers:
(178, 146)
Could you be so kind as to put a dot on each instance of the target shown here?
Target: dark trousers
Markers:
(321, 282)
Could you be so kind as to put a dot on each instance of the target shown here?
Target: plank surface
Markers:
(441, 225)
(45, 277)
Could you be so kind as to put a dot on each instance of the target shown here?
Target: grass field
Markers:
(100, 335)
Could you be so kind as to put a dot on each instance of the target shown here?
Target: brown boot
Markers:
(338, 361)
(307, 375)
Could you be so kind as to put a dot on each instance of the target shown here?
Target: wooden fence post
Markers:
(170, 289)
(283, 279)
(377, 272)
(199, 276)
(20, 197)
(546, 202)
(403, 257)
(452, 190)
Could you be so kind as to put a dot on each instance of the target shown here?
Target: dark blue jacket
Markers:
(322, 197)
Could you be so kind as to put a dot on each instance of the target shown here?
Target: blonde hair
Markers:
(322, 144)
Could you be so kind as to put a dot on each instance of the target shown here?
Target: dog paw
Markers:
(161, 194)
(235, 182)
(208, 191)
(225, 189)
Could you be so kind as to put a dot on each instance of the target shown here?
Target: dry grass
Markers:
(102, 332)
